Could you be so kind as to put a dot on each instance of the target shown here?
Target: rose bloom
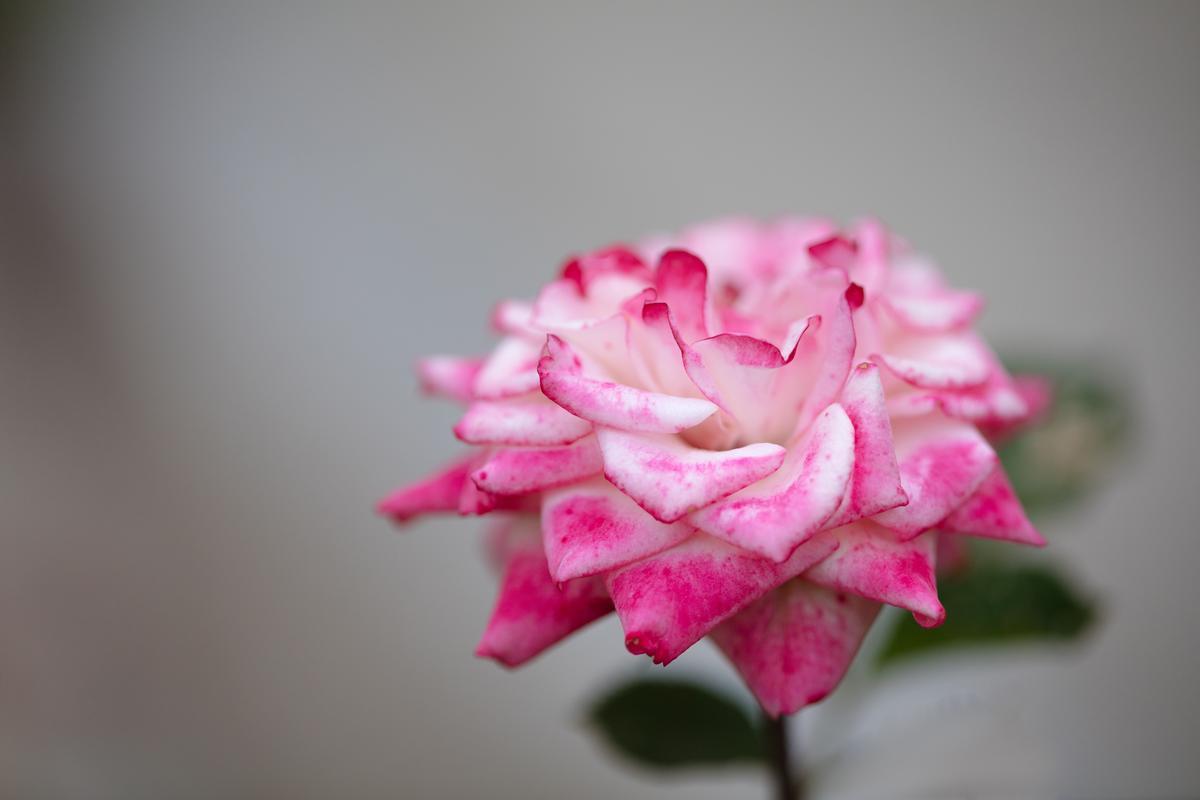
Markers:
(754, 432)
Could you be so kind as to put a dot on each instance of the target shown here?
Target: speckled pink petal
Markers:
(532, 611)
(668, 478)
(591, 528)
(521, 470)
(875, 563)
(438, 492)
(510, 370)
(875, 484)
(527, 423)
(793, 646)
(613, 404)
(682, 283)
(668, 602)
(775, 515)
(449, 376)
(942, 462)
(994, 511)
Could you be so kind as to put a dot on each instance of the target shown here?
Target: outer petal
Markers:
(670, 601)
(942, 462)
(510, 370)
(439, 492)
(514, 422)
(919, 300)
(1037, 393)
(613, 404)
(779, 513)
(449, 376)
(592, 528)
(996, 402)
(994, 512)
(873, 562)
(521, 470)
(941, 363)
(618, 259)
(935, 310)
(682, 282)
(514, 317)
(669, 479)
(533, 612)
(875, 485)
(794, 645)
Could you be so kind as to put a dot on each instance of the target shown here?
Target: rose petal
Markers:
(942, 462)
(520, 423)
(739, 374)
(510, 370)
(669, 479)
(940, 363)
(873, 562)
(592, 528)
(775, 515)
(994, 511)
(449, 376)
(438, 492)
(668, 602)
(829, 353)
(793, 646)
(613, 404)
(934, 311)
(682, 283)
(532, 611)
(875, 484)
(515, 317)
(533, 469)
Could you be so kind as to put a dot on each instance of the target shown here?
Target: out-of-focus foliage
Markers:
(995, 604)
(1061, 458)
(672, 724)
(1052, 464)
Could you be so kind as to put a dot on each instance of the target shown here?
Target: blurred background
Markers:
(230, 228)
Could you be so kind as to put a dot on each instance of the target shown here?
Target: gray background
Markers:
(233, 227)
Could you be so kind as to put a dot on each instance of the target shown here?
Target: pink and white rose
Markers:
(753, 432)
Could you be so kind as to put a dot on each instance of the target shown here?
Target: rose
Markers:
(754, 432)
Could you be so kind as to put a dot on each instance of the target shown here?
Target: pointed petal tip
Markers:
(931, 616)
(646, 644)
(487, 651)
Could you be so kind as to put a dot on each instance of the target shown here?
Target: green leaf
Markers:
(674, 724)
(1060, 459)
(995, 604)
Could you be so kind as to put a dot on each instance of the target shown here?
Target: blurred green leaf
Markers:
(674, 724)
(1055, 462)
(995, 604)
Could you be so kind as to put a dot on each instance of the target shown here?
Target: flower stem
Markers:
(788, 780)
